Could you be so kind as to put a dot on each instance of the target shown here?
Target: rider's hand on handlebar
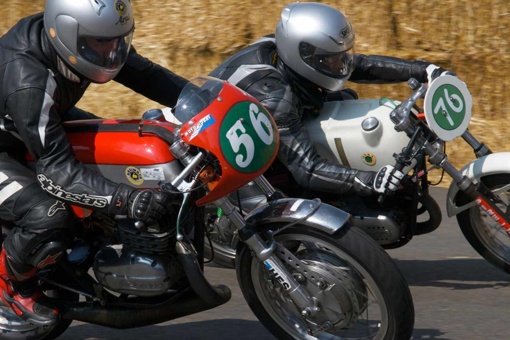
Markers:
(387, 179)
(148, 205)
(434, 71)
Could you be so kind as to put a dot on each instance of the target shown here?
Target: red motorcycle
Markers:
(304, 270)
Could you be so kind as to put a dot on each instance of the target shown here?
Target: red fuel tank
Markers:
(126, 151)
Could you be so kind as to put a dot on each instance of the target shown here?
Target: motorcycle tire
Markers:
(484, 234)
(361, 293)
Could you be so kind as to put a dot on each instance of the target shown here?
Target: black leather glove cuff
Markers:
(363, 183)
(119, 205)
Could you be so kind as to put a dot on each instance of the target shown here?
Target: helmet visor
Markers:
(333, 64)
(109, 53)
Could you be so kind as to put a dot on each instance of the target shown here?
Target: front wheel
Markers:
(360, 292)
(484, 234)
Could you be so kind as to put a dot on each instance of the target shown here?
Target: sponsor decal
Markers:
(134, 175)
(368, 158)
(153, 174)
(277, 274)
(494, 215)
(344, 32)
(121, 9)
(56, 207)
(202, 124)
(83, 199)
(50, 259)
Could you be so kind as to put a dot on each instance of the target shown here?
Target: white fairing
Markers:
(339, 136)
(495, 163)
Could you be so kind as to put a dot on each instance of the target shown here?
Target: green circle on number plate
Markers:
(248, 137)
(449, 107)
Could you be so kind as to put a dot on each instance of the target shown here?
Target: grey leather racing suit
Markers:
(37, 93)
(258, 70)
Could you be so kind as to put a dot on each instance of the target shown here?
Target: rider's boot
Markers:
(19, 291)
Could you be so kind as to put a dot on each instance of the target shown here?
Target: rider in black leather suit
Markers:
(293, 72)
(43, 76)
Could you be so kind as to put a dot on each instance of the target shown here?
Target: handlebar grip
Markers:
(399, 165)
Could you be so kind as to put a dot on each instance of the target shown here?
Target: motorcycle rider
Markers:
(304, 64)
(47, 62)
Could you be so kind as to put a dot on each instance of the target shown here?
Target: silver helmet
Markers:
(93, 37)
(317, 42)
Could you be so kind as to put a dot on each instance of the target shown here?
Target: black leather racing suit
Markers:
(258, 70)
(37, 93)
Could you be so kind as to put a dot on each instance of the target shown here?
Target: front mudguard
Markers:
(285, 212)
(492, 164)
(312, 213)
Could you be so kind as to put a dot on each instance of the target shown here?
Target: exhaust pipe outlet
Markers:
(137, 314)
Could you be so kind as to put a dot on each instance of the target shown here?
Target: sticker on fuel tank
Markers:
(153, 174)
(134, 175)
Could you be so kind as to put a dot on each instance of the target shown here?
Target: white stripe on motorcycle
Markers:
(296, 205)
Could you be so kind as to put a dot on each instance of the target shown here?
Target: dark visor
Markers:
(107, 53)
(335, 64)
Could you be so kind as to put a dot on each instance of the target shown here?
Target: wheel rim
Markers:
(489, 232)
(352, 303)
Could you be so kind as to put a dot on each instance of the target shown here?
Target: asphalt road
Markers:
(457, 295)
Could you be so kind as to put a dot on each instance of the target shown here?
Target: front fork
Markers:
(478, 192)
(264, 250)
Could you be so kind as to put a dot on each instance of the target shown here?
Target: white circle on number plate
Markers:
(447, 106)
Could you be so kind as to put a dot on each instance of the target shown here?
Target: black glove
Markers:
(148, 206)
(434, 71)
(385, 181)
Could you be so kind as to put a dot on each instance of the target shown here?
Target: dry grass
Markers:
(191, 37)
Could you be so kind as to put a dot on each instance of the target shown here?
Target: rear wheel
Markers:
(484, 234)
(360, 292)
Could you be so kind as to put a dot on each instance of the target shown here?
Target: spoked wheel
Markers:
(484, 234)
(360, 292)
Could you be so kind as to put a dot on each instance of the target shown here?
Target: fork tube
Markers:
(188, 169)
(479, 148)
(478, 192)
(265, 186)
(265, 253)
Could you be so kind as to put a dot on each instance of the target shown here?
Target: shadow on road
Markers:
(213, 329)
(453, 273)
(419, 334)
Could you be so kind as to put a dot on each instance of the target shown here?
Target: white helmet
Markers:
(92, 36)
(317, 42)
